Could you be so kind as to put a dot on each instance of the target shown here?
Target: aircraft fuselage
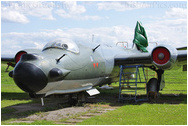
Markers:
(60, 71)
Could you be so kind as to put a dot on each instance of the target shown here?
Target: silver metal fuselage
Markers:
(64, 67)
(82, 70)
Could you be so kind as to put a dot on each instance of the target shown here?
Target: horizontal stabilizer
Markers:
(93, 91)
(7, 58)
(182, 48)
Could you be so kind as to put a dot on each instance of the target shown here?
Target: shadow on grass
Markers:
(171, 99)
(29, 106)
(113, 95)
(19, 111)
(112, 100)
(14, 96)
(24, 110)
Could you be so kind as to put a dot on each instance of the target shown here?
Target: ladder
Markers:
(127, 79)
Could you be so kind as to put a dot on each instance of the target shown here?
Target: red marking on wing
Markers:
(97, 64)
(94, 65)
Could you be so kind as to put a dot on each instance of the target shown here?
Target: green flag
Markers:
(140, 38)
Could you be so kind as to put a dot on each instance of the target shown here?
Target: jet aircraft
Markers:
(66, 67)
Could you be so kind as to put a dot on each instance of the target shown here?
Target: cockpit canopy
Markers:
(64, 44)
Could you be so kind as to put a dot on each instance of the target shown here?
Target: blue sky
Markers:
(32, 24)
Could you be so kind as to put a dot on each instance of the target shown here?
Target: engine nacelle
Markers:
(164, 57)
(26, 51)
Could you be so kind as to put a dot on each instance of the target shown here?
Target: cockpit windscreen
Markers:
(63, 44)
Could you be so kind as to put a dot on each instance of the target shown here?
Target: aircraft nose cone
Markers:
(28, 57)
(29, 77)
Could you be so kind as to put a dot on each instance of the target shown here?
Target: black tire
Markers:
(152, 88)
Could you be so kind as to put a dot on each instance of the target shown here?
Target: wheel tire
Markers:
(152, 88)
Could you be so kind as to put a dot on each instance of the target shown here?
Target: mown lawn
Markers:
(144, 114)
(10, 93)
(171, 109)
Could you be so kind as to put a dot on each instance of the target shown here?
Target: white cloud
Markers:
(176, 13)
(121, 5)
(72, 10)
(19, 11)
(156, 32)
(170, 29)
(171, 14)
(94, 18)
(45, 13)
(170, 32)
(66, 14)
(42, 10)
(109, 35)
(12, 16)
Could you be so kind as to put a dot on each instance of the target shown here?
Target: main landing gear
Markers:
(155, 84)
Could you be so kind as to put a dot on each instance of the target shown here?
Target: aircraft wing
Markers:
(162, 57)
(182, 56)
(15, 58)
(6, 58)
(182, 48)
(142, 58)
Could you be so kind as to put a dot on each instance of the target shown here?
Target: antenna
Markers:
(95, 48)
(93, 38)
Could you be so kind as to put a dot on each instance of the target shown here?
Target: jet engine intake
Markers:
(31, 55)
(164, 57)
(18, 55)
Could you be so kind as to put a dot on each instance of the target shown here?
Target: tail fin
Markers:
(140, 38)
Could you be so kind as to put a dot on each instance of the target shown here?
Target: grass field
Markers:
(145, 114)
(169, 109)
